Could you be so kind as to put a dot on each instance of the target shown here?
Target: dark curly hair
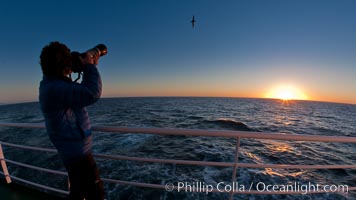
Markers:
(54, 58)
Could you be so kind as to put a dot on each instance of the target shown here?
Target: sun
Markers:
(286, 93)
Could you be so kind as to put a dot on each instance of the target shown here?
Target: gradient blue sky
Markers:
(237, 49)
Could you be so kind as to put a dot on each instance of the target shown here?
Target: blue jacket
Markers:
(63, 105)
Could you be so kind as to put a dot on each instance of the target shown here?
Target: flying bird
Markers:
(193, 22)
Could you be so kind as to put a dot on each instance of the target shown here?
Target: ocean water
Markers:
(261, 115)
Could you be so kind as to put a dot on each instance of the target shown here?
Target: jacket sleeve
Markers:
(76, 95)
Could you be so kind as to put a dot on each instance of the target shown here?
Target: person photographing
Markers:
(63, 104)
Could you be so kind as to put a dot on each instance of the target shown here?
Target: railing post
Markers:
(68, 183)
(4, 167)
(236, 161)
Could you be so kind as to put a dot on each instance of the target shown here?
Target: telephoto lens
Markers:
(99, 49)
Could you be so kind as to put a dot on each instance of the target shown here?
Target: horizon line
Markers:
(112, 97)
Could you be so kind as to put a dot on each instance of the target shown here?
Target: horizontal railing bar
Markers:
(37, 168)
(28, 147)
(167, 161)
(230, 134)
(2, 173)
(158, 186)
(224, 164)
(210, 133)
(38, 185)
(22, 125)
(199, 163)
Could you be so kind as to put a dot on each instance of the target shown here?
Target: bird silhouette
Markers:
(193, 22)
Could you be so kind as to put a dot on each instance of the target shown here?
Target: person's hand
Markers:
(88, 59)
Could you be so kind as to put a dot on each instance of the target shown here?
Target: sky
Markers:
(239, 48)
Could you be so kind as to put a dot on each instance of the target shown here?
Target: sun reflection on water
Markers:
(276, 149)
(280, 147)
(282, 172)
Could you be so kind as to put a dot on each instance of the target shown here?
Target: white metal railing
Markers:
(238, 135)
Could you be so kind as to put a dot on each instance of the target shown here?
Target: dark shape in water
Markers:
(230, 124)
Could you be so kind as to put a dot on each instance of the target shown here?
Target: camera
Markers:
(77, 66)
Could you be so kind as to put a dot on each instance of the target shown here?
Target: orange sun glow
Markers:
(286, 93)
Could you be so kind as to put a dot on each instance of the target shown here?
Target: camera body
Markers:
(77, 66)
